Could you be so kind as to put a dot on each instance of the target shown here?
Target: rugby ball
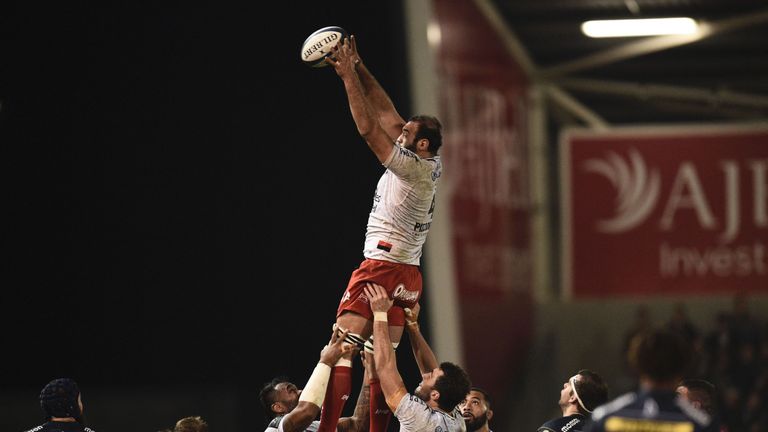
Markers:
(318, 45)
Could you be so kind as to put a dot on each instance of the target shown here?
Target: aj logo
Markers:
(636, 186)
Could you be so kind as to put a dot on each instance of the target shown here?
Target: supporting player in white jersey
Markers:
(434, 406)
(403, 206)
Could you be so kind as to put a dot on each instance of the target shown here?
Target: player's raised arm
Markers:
(384, 355)
(364, 115)
(312, 396)
(389, 118)
(422, 352)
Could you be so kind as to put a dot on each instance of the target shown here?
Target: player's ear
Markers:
(489, 414)
(434, 395)
(423, 144)
(277, 408)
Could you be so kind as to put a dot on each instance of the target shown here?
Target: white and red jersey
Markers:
(403, 206)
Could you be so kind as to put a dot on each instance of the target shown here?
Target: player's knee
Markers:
(355, 340)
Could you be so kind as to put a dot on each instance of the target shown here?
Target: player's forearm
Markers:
(382, 347)
(373, 90)
(359, 421)
(422, 352)
(301, 417)
(385, 110)
(365, 119)
(386, 365)
(362, 113)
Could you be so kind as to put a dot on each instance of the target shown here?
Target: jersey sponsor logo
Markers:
(622, 424)
(406, 152)
(376, 200)
(570, 424)
(421, 227)
(405, 295)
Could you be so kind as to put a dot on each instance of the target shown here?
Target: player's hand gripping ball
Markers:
(319, 45)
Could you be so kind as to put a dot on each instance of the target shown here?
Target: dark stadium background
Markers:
(185, 201)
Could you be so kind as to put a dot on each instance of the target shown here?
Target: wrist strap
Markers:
(380, 316)
(314, 391)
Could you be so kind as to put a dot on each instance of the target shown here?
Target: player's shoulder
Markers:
(46, 427)
(693, 413)
(613, 406)
(563, 424)
(274, 424)
(412, 404)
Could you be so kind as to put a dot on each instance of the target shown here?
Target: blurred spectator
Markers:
(62, 405)
(680, 322)
(744, 329)
(736, 361)
(716, 346)
(641, 323)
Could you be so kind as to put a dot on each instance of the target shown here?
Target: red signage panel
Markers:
(665, 211)
(483, 107)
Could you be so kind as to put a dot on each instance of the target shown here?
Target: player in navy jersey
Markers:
(62, 405)
(578, 397)
(660, 358)
(399, 221)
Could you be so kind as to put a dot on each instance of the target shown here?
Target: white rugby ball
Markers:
(318, 45)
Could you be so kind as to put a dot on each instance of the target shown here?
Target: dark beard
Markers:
(419, 392)
(477, 423)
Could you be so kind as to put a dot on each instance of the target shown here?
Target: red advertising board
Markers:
(661, 211)
(483, 107)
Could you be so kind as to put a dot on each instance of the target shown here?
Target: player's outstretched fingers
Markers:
(368, 291)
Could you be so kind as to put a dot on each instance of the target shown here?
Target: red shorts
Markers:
(402, 282)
